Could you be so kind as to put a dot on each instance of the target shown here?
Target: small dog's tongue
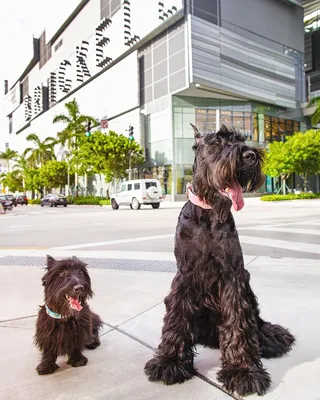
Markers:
(236, 197)
(75, 304)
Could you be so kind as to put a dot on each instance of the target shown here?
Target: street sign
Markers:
(104, 124)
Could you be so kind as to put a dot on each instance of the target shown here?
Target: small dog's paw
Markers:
(275, 341)
(95, 342)
(78, 363)
(45, 369)
(169, 371)
(244, 381)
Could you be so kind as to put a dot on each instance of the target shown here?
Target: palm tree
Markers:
(75, 129)
(22, 168)
(41, 152)
(75, 125)
(315, 119)
(7, 156)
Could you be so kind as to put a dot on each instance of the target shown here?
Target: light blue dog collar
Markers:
(52, 313)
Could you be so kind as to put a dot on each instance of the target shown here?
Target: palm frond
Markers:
(314, 101)
(61, 118)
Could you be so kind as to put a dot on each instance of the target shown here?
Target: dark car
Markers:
(7, 204)
(54, 200)
(10, 197)
(21, 199)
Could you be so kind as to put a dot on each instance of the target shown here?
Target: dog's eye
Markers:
(63, 273)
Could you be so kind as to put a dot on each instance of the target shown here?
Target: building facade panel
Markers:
(234, 64)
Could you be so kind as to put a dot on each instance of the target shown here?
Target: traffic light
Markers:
(88, 129)
(131, 138)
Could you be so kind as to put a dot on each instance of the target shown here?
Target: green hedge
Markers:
(282, 197)
(34, 201)
(104, 203)
(79, 201)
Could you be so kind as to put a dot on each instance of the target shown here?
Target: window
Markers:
(123, 188)
(255, 128)
(136, 186)
(129, 186)
(296, 126)
(149, 184)
(267, 129)
(58, 45)
(207, 10)
(10, 123)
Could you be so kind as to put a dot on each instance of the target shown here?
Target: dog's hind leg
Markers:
(173, 361)
(242, 370)
(48, 362)
(274, 340)
(94, 341)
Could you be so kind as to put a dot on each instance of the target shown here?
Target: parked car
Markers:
(138, 192)
(7, 204)
(21, 199)
(11, 197)
(54, 200)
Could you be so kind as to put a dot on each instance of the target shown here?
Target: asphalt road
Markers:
(284, 229)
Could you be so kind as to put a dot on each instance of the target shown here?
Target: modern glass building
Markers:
(161, 65)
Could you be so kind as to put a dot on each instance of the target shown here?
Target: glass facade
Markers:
(170, 141)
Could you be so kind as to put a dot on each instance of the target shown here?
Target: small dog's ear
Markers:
(50, 261)
(197, 134)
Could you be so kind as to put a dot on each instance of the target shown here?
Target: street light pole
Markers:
(130, 167)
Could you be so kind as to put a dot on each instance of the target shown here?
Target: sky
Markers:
(20, 20)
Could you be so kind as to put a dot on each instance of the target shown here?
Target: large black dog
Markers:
(65, 324)
(211, 301)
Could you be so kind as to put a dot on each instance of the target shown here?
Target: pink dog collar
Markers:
(195, 199)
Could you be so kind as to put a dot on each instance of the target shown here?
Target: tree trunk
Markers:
(284, 186)
(305, 182)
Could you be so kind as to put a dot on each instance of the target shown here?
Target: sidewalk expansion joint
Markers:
(254, 259)
(17, 319)
(197, 374)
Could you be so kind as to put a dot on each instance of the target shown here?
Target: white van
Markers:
(137, 192)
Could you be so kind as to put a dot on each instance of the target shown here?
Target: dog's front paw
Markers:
(45, 369)
(275, 341)
(81, 362)
(93, 344)
(244, 380)
(169, 371)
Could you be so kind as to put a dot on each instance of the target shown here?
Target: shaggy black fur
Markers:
(66, 279)
(211, 301)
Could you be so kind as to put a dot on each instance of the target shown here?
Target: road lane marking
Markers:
(284, 230)
(281, 244)
(112, 242)
(20, 226)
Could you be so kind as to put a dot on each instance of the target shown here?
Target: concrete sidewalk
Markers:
(130, 303)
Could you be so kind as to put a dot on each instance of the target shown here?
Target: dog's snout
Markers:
(249, 156)
(78, 288)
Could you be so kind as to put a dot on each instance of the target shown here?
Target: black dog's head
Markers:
(67, 285)
(225, 167)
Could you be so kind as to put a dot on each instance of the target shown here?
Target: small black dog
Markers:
(65, 324)
(211, 301)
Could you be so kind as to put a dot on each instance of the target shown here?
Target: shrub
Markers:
(291, 196)
(34, 201)
(104, 203)
(79, 201)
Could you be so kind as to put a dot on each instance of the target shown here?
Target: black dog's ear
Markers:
(50, 261)
(197, 133)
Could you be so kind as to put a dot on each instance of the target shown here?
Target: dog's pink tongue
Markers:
(75, 304)
(236, 197)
